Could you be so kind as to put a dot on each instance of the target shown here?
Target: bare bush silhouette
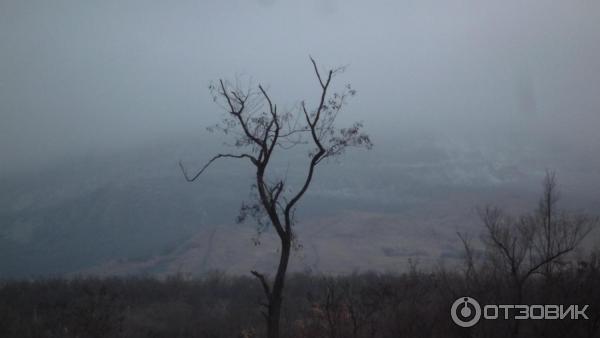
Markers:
(532, 243)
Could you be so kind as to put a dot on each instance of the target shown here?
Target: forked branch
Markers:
(263, 282)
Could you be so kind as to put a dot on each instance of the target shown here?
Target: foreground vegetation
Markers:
(414, 304)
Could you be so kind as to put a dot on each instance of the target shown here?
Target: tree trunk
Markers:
(276, 294)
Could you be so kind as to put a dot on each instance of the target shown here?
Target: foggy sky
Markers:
(85, 76)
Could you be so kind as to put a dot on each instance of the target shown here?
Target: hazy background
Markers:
(467, 102)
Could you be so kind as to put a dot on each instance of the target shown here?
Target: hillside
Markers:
(132, 213)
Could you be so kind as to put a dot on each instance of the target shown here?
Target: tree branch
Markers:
(192, 179)
(263, 281)
(317, 72)
(238, 114)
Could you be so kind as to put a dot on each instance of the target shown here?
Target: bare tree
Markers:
(535, 242)
(260, 130)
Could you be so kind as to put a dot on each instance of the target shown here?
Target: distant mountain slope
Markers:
(133, 213)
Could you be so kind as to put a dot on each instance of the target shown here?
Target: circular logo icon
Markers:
(465, 312)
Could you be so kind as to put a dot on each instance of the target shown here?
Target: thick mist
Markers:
(82, 78)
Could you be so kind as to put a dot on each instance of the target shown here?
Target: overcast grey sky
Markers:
(78, 76)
